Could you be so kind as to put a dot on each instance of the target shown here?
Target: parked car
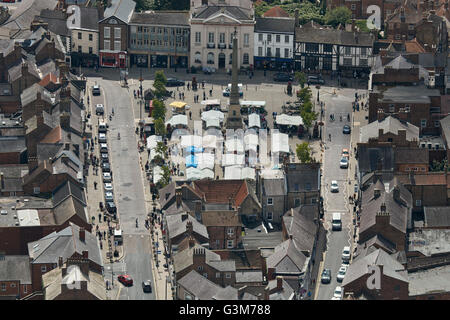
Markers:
(341, 273)
(174, 82)
(346, 129)
(102, 138)
(326, 276)
(345, 153)
(109, 196)
(343, 164)
(104, 157)
(315, 80)
(125, 279)
(338, 293)
(334, 186)
(96, 90)
(107, 177)
(99, 109)
(106, 167)
(147, 286)
(282, 77)
(346, 253)
(111, 207)
(108, 186)
(103, 148)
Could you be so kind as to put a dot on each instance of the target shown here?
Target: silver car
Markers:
(334, 186)
(108, 186)
(107, 177)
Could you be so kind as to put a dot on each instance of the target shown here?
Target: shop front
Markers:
(273, 63)
(84, 60)
(179, 61)
(113, 59)
(158, 61)
(139, 60)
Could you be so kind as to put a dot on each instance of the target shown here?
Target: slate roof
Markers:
(177, 226)
(66, 190)
(389, 124)
(25, 13)
(220, 219)
(247, 276)
(89, 18)
(406, 94)
(56, 20)
(429, 281)
(391, 267)
(287, 259)
(304, 178)
(411, 155)
(121, 9)
(371, 245)
(233, 11)
(286, 293)
(13, 267)
(184, 259)
(158, 18)
(314, 33)
(436, 217)
(370, 205)
(30, 94)
(369, 157)
(68, 208)
(299, 223)
(399, 63)
(12, 144)
(273, 187)
(204, 289)
(275, 25)
(65, 244)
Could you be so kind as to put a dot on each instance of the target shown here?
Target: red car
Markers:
(125, 279)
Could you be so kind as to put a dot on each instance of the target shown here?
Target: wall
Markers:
(84, 42)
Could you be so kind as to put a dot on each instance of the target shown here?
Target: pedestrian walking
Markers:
(188, 86)
(204, 95)
(95, 185)
(190, 115)
(182, 94)
(179, 95)
(203, 84)
(210, 92)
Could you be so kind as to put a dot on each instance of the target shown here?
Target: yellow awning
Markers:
(178, 104)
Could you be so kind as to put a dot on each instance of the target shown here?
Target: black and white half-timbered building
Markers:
(320, 49)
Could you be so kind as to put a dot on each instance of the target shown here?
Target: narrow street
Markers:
(339, 105)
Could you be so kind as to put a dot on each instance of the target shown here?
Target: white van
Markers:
(336, 223)
(102, 126)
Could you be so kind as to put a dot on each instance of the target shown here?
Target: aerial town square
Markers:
(224, 150)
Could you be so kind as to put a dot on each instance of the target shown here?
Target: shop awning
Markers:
(249, 103)
(288, 120)
(254, 120)
(210, 102)
(197, 174)
(213, 123)
(178, 104)
(212, 114)
(280, 142)
(152, 142)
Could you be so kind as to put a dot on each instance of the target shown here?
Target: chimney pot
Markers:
(82, 234)
(60, 262)
(279, 283)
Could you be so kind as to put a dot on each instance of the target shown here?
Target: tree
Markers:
(160, 84)
(160, 77)
(308, 118)
(439, 166)
(304, 94)
(160, 127)
(170, 5)
(143, 5)
(165, 177)
(301, 78)
(309, 12)
(304, 152)
(339, 15)
(159, 110)
(161, 148)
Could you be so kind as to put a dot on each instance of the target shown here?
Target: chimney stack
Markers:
(189, 227)
(396, 194)
(178, 196)
(2, 180)
(296, 23)
(101, 10)
(82, 234)
(279, 283)
(191, 242)
(380, 114)
(85, 254)
(60, 262)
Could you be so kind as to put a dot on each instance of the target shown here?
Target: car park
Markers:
(282, 77)
(102, 138)
(346, 129)
(343, 164)
(106, 167)
(147, 286)
(346, 253)
(111, 207)
(107, 177)
(103, 148)
(341, 273)
(338, 293)
(125, 279)
(315, 80)
(326, 276)
(336, 222)
(334, 186)
(108, 186)
(99, 109)
(174, 82)
(109, 196)
(96, 90)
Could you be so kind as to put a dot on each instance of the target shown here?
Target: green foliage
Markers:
(304, 152)
(160, 77)
(362, 25)
(339, 15)
(165, 180)
(439, 166)
(160, 127)
(308, 118)
(301, 78)
(160, 84)
(159, 110)
(307, 10)
(169, 5)
(304, 94)
(142, 5)
(161, 149)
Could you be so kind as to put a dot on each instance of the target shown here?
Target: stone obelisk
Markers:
(234, 119)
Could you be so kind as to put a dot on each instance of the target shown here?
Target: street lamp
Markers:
(141, 94)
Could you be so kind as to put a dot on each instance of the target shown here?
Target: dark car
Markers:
(106, 167)
(282, 77)
(104, 157)
(174, 82)
(346, 129)
(315, 80)
(96, 90)
(147, 286)
(111, 207)
(125, 279)
(326, 276)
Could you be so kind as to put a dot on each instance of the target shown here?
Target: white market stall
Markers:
(251, 142)
(280, 142)
(231, 159)
(234, 145)
(191, 140)
(213, 123)
(205, 161)
(213, 114)
(178, 120)
(254, 120)
(152, 142)
(198, 174)
(239, 173)
(157, 174)
(287, 120)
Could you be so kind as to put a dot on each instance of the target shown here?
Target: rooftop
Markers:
(157, 18)
(436, 217)
(406, 94)
(429, 241)
(391, 125)
(204, 289)
(434, 280)
(275, 24)
(13, 268)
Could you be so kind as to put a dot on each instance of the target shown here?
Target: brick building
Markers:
(15, 277)
(224, 229)
(181, 226)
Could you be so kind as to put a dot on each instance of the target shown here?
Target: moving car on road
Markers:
(345, 153)
(338, 293)
(346, 129)
(334, 186)
(99, 109)
(147, 286)
(125, 279)
(341, 273)
(315, 80)
(174, 82)
(282, 77)
(336, 222)
(343, 164)
(326, 276)
(346, 254)
(96, 90)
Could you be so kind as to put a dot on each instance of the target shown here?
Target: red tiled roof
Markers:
(53, 136)
(413, 46)
(430, 179)
(220, 191)
(51, 77)
(276, 12)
